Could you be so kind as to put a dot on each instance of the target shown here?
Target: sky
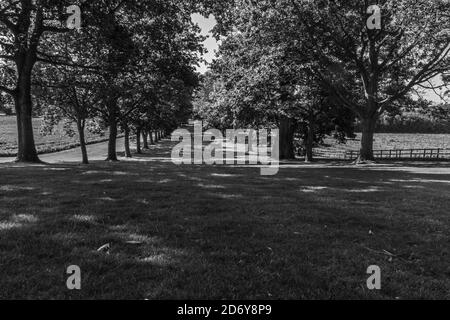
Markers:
(207, 24)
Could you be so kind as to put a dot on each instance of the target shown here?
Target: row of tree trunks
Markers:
(154, 137)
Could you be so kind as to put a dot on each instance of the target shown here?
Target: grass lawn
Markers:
(44, 144)
(222, 232)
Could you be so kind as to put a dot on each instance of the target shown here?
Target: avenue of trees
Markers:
(130, 67)
(309, 67)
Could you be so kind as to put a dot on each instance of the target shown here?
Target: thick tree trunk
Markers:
(145, 138)
(287, 131)
(138, 141)
(127, 143)
(112, 152)
(23, 105)
(84, 155)
(368, 129)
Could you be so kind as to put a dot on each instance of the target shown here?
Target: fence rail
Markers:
(393, 154)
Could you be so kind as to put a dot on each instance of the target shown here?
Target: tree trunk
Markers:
(127, 143)
(287, 131)
(150, 134)
(138, 141)
(80, 127)
(112, 154)
(23, 105)
(309, 143)
(368, 129)
(144, 137)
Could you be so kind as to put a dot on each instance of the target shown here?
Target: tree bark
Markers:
(28, 31)
(309, 142)
(26, 145)
(145, 138)
(80, 127)
(127, 143)
(287, 131)
(138, 141)
(150, 134)
(112, 152)
(368, 129)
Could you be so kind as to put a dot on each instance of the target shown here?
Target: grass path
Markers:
(223, 232)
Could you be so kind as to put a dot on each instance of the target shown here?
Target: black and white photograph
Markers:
(227, 156)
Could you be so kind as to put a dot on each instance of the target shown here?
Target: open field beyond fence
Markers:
(44, 143)
(391, 146)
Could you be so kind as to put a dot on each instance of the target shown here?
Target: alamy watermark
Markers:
(238, 147)
(374, 281)
(374, 21)
(74, 280)
(74, 20)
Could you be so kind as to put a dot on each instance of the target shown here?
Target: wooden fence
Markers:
(404, 154)
(394, 154)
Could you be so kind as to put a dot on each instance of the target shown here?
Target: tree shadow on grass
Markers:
(222, 232)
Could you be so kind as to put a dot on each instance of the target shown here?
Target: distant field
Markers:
(390, 141)
(45, 144)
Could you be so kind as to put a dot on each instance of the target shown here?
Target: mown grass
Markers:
(58, 141)
(220, 232)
